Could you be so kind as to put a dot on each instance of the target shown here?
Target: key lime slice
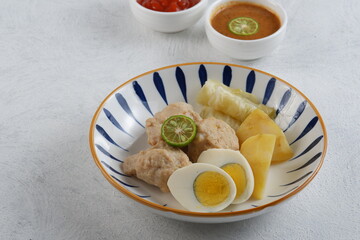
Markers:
(178, 130)
(243, 26)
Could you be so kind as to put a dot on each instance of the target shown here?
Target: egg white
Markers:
(181, 185)
(221, 157)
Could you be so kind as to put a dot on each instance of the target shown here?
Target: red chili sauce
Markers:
(168, 5)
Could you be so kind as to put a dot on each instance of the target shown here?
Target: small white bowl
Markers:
(168, 22)
(246, 49)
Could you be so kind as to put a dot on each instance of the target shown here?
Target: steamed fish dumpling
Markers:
(153, 125)
(156, 164)
(212, 133)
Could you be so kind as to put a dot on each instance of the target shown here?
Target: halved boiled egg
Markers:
(235, 164)
(202, 187)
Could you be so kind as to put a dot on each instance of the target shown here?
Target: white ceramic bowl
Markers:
(246, 49)
(117, 131)
(168, 22)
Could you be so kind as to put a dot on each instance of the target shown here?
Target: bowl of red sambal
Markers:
(245, 29)
(168, 15)
(168, 5)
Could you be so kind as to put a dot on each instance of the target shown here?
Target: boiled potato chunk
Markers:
(258, 151)
(259, 122)
(233, 102)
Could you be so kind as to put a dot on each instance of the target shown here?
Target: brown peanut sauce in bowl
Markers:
(267, 21)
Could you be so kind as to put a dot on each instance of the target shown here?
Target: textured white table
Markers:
(60, 58)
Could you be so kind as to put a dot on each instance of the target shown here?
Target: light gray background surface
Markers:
(60, 58)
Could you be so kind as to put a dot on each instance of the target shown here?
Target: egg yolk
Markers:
(211, 188)
(237, 173)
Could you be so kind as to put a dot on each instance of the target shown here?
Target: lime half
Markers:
(178, 130)
(243, 26)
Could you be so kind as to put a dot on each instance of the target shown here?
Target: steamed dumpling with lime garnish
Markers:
(155, 165)
(202, 187)
(212, 133)
(153, 125)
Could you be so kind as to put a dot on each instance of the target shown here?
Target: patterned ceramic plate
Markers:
(117, 131)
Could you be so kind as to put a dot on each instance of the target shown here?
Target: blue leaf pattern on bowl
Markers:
(113, 170)
(227, 75)
(269, 90)
(298, 113)
(307, 129)
(311, 146)
(107, 137)
(202, 74)
(115, 122)
(284, 101)
(312, 160)
(101, 149)
(297, 180)
(284, 193)
(123, 183)
(160, 86)
(250, 81)
(141, 95)
(123, 103)
(180, 77)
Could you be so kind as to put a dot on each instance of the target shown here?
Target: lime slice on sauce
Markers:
(243, 26)
(178, 130)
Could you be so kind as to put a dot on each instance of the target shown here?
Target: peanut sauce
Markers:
(268, 22)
